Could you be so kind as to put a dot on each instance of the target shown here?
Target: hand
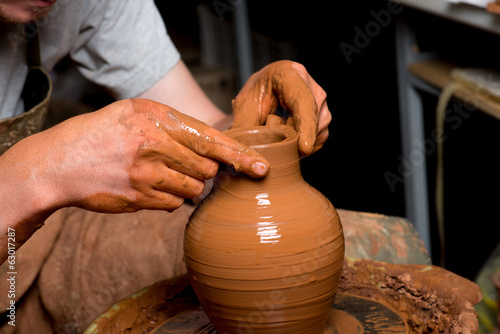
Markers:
(289, 84)
(493, 7)
(131, 155)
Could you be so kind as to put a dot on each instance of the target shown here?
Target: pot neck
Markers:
(284, 167)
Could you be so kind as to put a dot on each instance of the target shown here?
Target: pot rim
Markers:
(287, 132)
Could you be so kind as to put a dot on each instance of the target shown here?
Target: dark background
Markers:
(364, 134)
(362, 96)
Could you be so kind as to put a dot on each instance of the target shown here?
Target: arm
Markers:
(139, 154)
(131, 155)
(284, 82)
(179, 90)
(289, 84)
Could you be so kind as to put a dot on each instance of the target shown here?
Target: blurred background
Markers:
(361, 83)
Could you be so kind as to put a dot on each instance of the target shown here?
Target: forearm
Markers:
(128, 156)
(178, 89)
(25, 199)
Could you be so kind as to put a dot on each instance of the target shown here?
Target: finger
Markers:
(157, 176)
(285, 84)
(173, 182)
(273, 120)
(209, 142)
(160, 200)
(253, 104)
(297, 97)
(216, 145)
(325, 117)
(184, 160)
(149, 199)
(203, 140)
(252, 110)
(321, 140)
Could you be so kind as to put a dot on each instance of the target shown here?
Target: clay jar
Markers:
(265, 255)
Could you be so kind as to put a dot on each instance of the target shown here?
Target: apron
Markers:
(36, 96)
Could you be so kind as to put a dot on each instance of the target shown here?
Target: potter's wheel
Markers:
(350, 314)
(167, 301)
(171, 306)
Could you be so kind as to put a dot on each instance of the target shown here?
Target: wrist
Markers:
(26, 197)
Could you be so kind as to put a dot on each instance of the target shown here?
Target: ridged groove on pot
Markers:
(265, 255)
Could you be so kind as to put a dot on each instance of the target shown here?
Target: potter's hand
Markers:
(131, 155)
(143, 154)
(289, 84)
(493, 7)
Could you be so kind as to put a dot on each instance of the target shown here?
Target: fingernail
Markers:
(259, 168)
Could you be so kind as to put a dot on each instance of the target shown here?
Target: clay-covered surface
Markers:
(146, 309)
(430, 298)
(350, 314)
(180, 312)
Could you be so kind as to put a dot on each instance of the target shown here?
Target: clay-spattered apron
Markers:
(36, 95)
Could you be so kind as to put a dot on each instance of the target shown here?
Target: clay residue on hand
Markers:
(278, 83)
(207, 142)
(431, 299)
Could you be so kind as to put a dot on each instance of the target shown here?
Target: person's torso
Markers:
(55, 43)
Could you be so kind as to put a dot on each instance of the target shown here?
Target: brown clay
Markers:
(343, 322)
(265, 254)
(430, 299)
(147, 308)
(282, 83)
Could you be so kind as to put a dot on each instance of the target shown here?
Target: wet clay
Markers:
(196, 322)
(350, 314)
(146, 309)
(342, 322)
(430, 299)
(265, 254)
(280, 83)
(201, 139)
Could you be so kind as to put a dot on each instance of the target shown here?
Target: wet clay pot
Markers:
(265, 255)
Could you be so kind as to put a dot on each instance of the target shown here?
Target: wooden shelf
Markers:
(437, 73)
